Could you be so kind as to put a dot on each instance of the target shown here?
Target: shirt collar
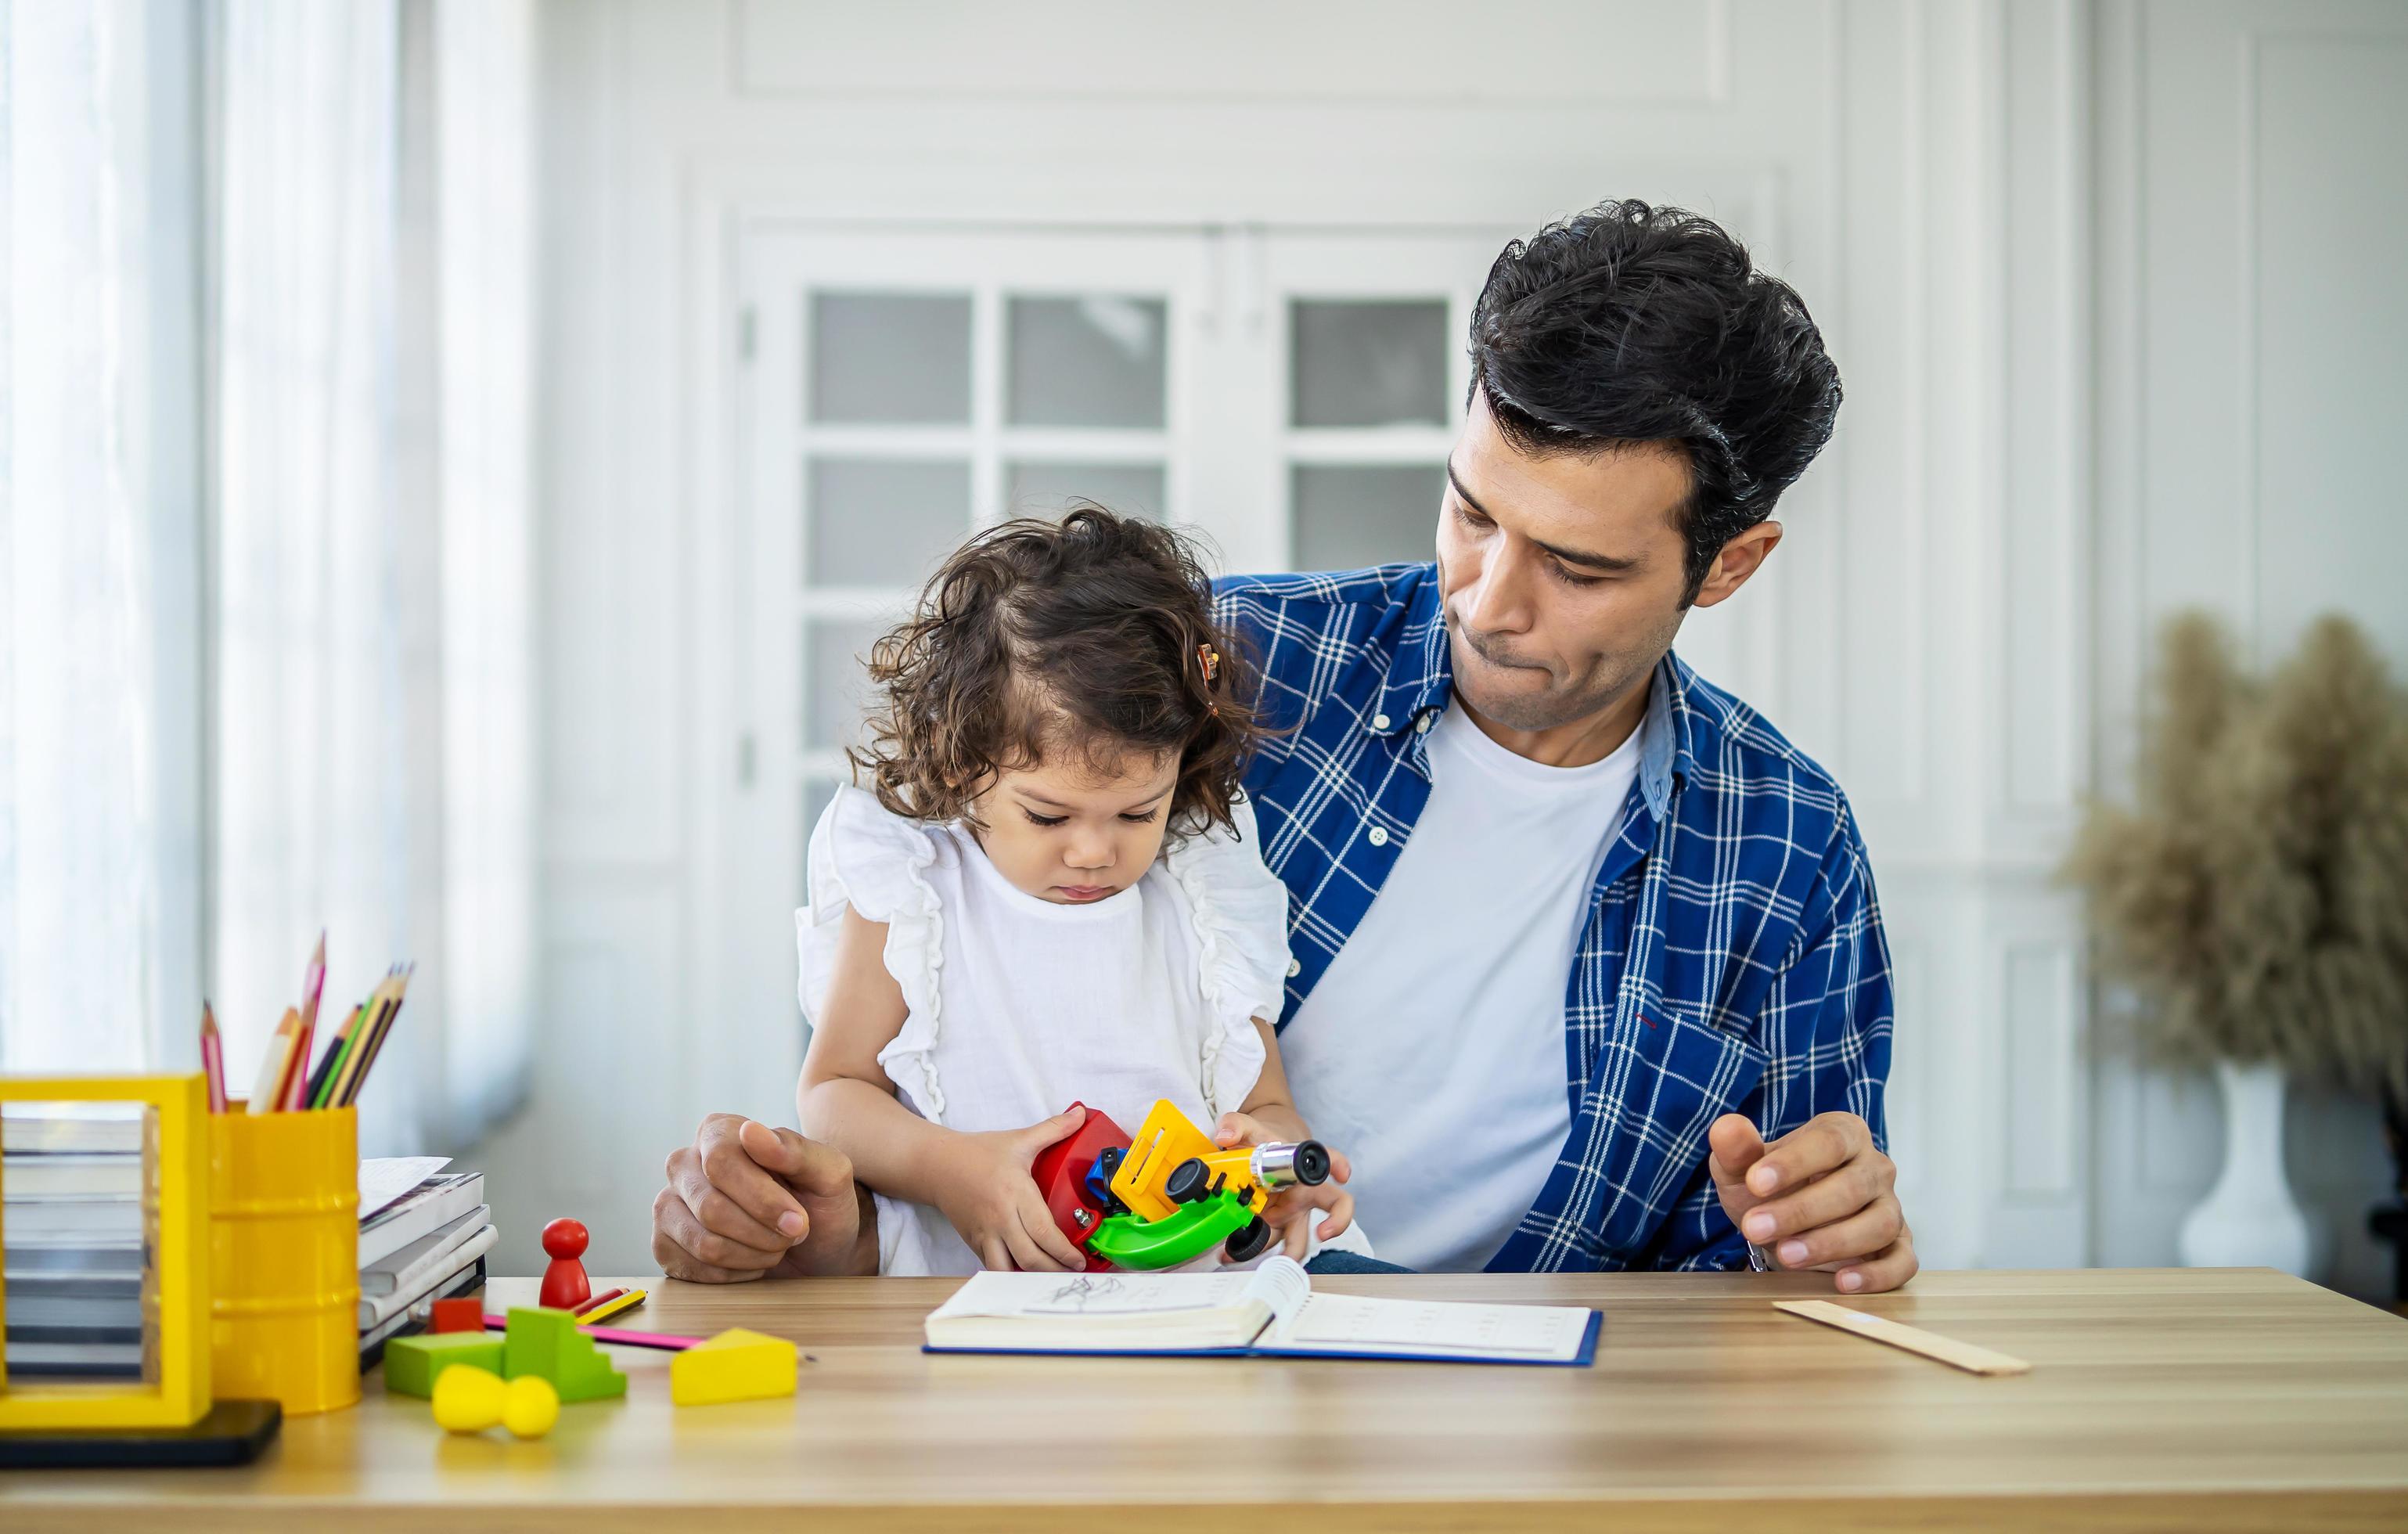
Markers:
(1420, 678)
(1664, 735)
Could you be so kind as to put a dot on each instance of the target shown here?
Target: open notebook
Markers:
(1270, 1312)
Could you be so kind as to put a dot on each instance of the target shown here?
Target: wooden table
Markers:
(2190, 1400)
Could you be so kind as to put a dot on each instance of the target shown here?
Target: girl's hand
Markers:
(1290, 1210)
(990, 1199)
(1290, 1213)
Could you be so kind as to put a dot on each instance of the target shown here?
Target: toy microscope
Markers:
(1166, 1195)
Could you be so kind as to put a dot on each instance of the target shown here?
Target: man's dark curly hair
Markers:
(1630, 324)
(1090, 635)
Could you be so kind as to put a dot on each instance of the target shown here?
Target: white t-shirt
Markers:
(1019, 1007)
(1432, 1050)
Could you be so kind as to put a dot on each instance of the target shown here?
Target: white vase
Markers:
(2249, 1218)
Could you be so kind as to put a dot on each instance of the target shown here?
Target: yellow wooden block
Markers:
(735, 1365)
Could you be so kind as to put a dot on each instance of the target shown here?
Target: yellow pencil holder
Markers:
(284, 1271)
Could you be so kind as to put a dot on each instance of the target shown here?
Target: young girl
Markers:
(1047, 894)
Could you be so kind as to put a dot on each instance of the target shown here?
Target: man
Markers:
(1575, 933)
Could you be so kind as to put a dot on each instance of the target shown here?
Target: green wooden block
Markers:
(599, 1382)
(411, 1363)
(547, 1342)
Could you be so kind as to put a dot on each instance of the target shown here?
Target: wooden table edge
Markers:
(2350, 1509)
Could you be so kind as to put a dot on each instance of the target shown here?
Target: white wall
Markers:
(2254, 196)
(1922, 173)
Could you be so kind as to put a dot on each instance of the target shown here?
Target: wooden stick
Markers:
(1898, 1334)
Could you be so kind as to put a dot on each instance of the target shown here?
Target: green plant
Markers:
(2255, 893)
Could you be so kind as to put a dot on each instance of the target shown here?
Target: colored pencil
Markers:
(332, 1097)
(366, 1037)
(267, 1092)
(313, 987)
(213, 1058)
(603, 1306)
(374, 1046)
(665, 1341)
(296, 1065)
(603, 1299)
(323, 1076)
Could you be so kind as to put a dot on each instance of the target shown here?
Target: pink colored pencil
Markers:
(661, 1341)
(213, 1059)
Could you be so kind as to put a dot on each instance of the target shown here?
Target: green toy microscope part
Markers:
(1131, 1241)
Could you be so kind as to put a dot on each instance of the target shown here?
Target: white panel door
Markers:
(1359, 369)
(904, 387)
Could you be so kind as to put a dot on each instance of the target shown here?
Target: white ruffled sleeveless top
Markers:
(1019, 1007)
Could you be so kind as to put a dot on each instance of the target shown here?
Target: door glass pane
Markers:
(1086, 362)
(1368, 363)
(891, 358)
(1352, 515)
(883, 522)
(1047, 490)
(836, 680)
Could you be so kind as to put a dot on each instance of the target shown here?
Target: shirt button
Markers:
(1379, 837)
(1379, 721)
(1295, 967)
(1421, 725)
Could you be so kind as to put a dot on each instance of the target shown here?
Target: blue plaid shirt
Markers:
(1731, 957)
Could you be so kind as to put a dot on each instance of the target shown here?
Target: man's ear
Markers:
(1741, 557)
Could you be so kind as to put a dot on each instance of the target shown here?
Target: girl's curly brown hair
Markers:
(1094, 634)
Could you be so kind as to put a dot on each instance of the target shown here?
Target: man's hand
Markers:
(992, 1200)
(1289, 1211)
(1820, 1198)
(746, 1201)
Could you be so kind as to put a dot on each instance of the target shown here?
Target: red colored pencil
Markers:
(213, 1059)
(603, 1299)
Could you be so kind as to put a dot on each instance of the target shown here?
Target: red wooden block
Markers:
(458, 1315)
(1061, 1173)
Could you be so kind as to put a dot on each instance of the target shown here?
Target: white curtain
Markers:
(484, 78)
(374, 754)
(99, 539)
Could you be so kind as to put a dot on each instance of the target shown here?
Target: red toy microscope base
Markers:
(1061, 1174)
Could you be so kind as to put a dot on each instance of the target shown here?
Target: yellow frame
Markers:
(181, 1396)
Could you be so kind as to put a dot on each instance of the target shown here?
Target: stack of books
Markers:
(424, 1236)
(81, 1189)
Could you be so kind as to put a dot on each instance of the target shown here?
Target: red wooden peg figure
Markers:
(563, 1282)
